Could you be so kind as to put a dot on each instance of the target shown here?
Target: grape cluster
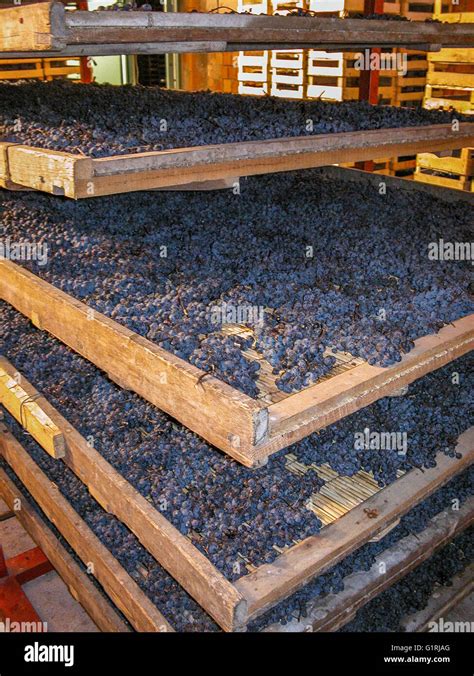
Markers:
(100, 120)
(161, 263)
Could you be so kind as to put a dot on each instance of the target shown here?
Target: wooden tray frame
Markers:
(234, 605)
(247, 429)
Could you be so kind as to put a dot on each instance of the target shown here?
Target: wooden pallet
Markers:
(447, 171)
(38, 69)
(333, 611)
(47, 27)
(125, 593)
(248, 429)
(233, 605)
(77, 581)
(21, 69)
(80, 177)
(443, 180)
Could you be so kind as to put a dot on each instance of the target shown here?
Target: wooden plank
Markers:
(81, 587)
(174, 551)
(449, 80)
(14, 603)
(47, 26)
(124, 592)
(455, 17)
(224, 416)
(442, 181)
(30, 415)
(442, 601)
(270, 583)
(333, 611)
(454, 55)
(31, 27)
(103, 27)
(300, 414)
(4, 172)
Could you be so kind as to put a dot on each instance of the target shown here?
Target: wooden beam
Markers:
(80, 585)
(272, 582)
(172, 550)
(49, 170)
(29, 565)
(124, 592)
(333, 611)
(48, 27)
(32, 27)
(221, 414)
(29, 413)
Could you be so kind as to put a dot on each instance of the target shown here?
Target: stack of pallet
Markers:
(449, 86)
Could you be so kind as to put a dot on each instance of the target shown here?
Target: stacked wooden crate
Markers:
(449, 86)
(451, 169)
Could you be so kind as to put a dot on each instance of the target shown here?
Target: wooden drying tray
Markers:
(325, 614)
(333, 611)
(80, 177)
(45, 28)
(122, 589)
(248, 429)
(233, 605)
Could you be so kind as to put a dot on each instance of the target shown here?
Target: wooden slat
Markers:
(333, 611)
(123, 591)
(224, 416)
(31, 416)
(100, 611)
(174, 551)
(455, 55)
(449, 80)
(14, 604)
(463, 165)
(296, 566)
(443, 181)
(29, 565)
(102, 27)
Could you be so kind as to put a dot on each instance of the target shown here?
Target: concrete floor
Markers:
(48, 594)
